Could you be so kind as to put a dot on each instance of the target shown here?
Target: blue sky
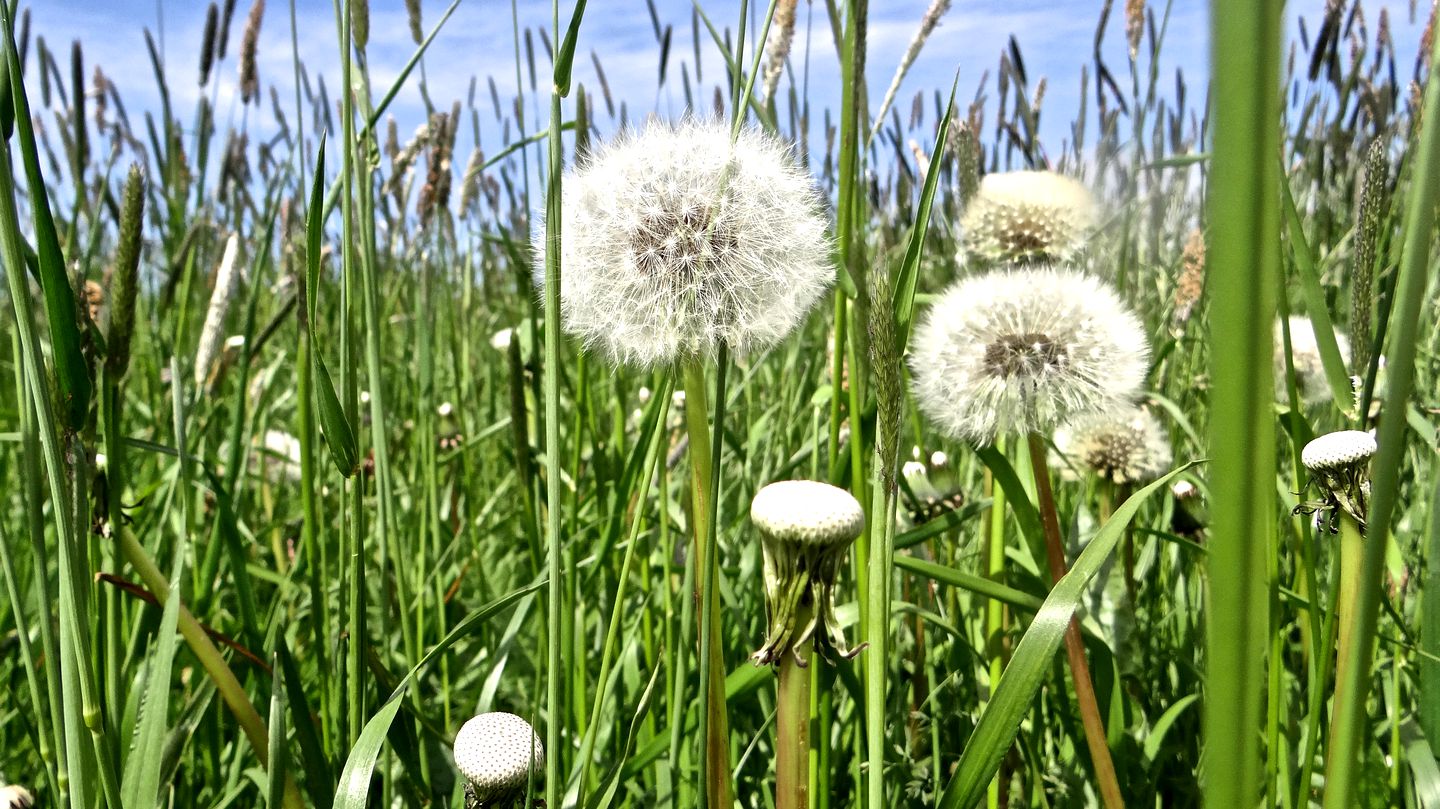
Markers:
(1055, 38)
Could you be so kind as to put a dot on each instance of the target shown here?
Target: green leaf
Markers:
(904, 300)
(968, 581)
(1015, 492)
(71, 372)
(1031, 663)
(1315, 304)
(565, 59)
(275, 784)
(339, 435)
(353, 791)
(140, 783)
(1155, 739)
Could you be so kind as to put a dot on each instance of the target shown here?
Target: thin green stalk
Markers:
(1074, 644)
(1349, 664)
(792, 724)
(714, 733)
(554, 711)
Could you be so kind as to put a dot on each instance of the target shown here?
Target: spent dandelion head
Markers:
(15, 797)
(1125, 445)
(1339, 464)
(1027, 216)
(1021, 351)
(497, 752)
(676, 241)
(805, 528)
(1310, 381)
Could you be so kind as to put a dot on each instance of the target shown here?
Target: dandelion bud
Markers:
(497, 752)
(805, 529)
(1027, 216)
(1339, 464)
(676, 242)
(1023, 351)
(1122, 446)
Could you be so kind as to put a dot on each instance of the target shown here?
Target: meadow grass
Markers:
(271, 534)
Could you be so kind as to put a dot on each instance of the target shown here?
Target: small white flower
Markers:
(1027, 216)
(675, 242)
(496, 752)
(500, 340)
(1022, 351)
(1123, 446)
(1310, 381)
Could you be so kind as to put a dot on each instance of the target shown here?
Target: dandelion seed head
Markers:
(1020, 351)
(1127, 445)
(675, 243)
(496, 752)
(1027, 216)
(1310, 381)
(807, 512)
(1338, 450)
(15, 797)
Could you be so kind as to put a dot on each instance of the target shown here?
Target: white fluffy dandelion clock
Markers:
(1123, 446)
(1027, 216)
(497, 752)
(1310, 381)
(1022, 351)
(675, 242)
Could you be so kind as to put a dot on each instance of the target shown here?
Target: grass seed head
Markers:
(675, 242)
(805, 528)
(1027, 216)
(1122, 446)
(1021, 351)
(496, 752)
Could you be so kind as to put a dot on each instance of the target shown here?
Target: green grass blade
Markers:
(1244, 253)
(140, 784)
(1033, 658)
(909, 276)
(1335, 371)
(968, 581)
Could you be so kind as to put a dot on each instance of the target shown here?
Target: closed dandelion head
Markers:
(1027, 216)
(1123, 446)
(1022, 351)
(676, 242)
(1339, 464)
(805, 528)
(1310, 382)
(497, 752)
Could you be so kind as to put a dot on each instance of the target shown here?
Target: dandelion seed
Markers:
(497, 752)
(675, 243)
(1310, 381)
(805, 528)
(1122, 446)
(1023, 351)
(1027, 216)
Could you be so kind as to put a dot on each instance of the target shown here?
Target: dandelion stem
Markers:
(792, 724)
(1350, 659)
(1074, 644)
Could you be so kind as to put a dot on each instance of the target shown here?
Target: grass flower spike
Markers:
(676, 242)
(1021, 351)
(805, 527)
(497, 752)
(1310, 380)
(1122, 446)
(1339, 464)
(1027, 216)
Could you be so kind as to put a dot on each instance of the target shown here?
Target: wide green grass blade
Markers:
(1031, 663)
(1243, 263)
(140, 782)
(334, 426)
(909, 275)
